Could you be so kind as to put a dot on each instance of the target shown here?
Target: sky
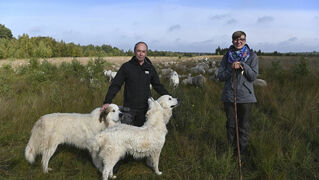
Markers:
(169, 25)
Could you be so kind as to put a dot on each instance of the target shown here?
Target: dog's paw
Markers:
(158, 173)
(113, 177)
(47, 170)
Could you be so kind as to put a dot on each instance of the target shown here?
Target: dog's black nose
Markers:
(121, 114)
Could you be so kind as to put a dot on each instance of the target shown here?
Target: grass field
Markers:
(284, 138)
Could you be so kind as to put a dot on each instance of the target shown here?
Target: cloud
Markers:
(265, 19)
(35, 30)
(293, 39)
(174, 27)
(232, 21)
(219, 17)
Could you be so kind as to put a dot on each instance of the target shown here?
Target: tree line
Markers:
(47, 47)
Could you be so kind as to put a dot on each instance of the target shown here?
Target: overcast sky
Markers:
(170, 25)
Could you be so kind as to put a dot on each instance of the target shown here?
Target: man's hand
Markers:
(104, 107)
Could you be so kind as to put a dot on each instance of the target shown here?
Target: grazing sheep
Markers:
(110, 74)
(174, 79)
(200, 68)
(165, 72)
(260, 82)
(181, 67)
(198, 81)
(188, 80)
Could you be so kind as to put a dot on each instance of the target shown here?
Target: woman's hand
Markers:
(237, 65)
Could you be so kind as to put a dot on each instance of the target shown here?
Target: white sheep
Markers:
(165, 72)
(174, 79)
(110, 74)
(198, 81)
(260, 82)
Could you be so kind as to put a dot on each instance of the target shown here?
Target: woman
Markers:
(243, 62)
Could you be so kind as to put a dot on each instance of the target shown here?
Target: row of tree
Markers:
(47, 47)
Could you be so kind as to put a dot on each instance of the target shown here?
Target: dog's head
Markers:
(160, 110)
(111, 115)
(167, 101)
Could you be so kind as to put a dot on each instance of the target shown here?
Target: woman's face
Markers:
(240, 42)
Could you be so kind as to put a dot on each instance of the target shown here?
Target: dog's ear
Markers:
(163, 104)
(150, 102)
(150, 99)
(103, 114)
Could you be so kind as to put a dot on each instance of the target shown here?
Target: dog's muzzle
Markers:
(178, 103)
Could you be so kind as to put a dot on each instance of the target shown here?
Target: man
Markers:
(243, 62)
(137, 74)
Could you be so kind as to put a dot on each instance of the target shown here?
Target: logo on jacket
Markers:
(147, 72)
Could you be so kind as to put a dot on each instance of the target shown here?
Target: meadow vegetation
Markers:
(284, 138)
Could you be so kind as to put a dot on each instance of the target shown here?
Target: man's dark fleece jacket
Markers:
(137, 80)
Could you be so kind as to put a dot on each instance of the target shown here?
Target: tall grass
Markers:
(283, 144)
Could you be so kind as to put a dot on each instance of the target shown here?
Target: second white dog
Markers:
(70, 128)
(146, 141)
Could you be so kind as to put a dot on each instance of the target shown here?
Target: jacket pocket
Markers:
(249, 90)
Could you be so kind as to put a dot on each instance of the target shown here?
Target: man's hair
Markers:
(141, 42)
(237, 34)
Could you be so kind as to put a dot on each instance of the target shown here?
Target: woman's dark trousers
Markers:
(243, 116)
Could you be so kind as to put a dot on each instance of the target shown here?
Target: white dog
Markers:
(174, 79)
(71, 128)
(146, 141)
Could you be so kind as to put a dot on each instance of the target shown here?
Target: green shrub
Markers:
(301, 69)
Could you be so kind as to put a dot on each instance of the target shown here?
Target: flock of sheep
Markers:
(192, 73)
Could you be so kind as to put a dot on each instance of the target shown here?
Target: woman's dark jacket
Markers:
(137, 80)
(244, 82)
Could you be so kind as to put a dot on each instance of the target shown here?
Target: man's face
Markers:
(240, 42)
(140, 52)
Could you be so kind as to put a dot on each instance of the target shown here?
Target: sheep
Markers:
(200, 68)
(260, 82)
(174, 79)
(110, 74)
(165, 72)
(181, 67)
(198, 81)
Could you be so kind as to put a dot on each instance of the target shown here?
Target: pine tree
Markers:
(5, 32)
